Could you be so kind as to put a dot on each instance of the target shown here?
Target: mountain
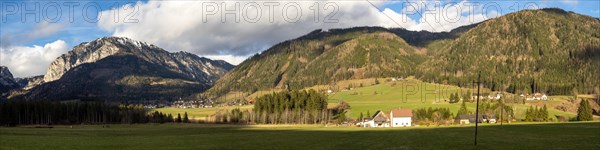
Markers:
(548, 50)
(321, 57)
(199, 68)
(117, 69)
(29, 82)
(7, 82)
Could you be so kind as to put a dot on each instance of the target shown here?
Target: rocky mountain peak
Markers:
(93, 51)
(7, 81)
(119, 67)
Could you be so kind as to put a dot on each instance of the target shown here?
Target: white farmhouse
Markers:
(540, 96)
(378, 120)
(401, 117)
(396, 118)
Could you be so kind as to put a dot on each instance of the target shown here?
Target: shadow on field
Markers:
(221, 136)
(513, 136)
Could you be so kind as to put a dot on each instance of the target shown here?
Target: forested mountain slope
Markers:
(546, 50)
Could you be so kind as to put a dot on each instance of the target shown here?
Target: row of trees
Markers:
(286, 117)
(455, 97)
(50, 112)
(536, 114)
(291, 101)
(180, 120)
(159, 117)
(432, 114)
(293, 107)
(499, 109)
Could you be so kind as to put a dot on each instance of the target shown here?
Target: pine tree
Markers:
(467, 97)
(360, 118)
(178, 120)
(463, 110)
(185, 118)
(528, 114)
(544, 113)
(584, 112)
(170, 118)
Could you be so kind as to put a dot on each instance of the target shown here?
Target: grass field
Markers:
(405, 94)
(202, 136)
(415, 94)
(386, 96)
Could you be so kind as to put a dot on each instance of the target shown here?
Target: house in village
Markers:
(535, 96)
(401, 117)
(496, 96)
(489, 119)
(540, 96)
(468, 119)
(396, 118)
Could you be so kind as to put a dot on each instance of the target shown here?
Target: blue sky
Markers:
(176, 26)
(81, 30)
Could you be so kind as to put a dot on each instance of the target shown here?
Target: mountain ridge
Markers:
(118, 68)
(446, 57)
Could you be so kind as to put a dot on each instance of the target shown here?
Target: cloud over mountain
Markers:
(183, 25)
(26, 61)
(243, 28)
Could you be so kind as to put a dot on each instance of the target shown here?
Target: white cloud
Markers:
(184, 26)
(179, 25)
(25, 61)
(234, 60)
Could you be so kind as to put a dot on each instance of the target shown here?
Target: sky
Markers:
(34, 33)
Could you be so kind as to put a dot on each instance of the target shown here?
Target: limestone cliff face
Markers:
(87, 52)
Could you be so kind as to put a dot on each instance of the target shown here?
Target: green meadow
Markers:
(581, 135)
(415, 94)
(388, 95)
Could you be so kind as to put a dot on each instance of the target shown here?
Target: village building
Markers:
(396, 118)
(535, 96)
(379, 119)
(401, 117)
(489, 119)
(497, 96)
(468, 119)
(540, 96)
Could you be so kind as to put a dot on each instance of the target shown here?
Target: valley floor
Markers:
(582, 135)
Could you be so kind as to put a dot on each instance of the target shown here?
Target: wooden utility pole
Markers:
(477, 106)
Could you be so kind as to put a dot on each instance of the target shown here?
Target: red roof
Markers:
(538, 95)
(402, 113)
